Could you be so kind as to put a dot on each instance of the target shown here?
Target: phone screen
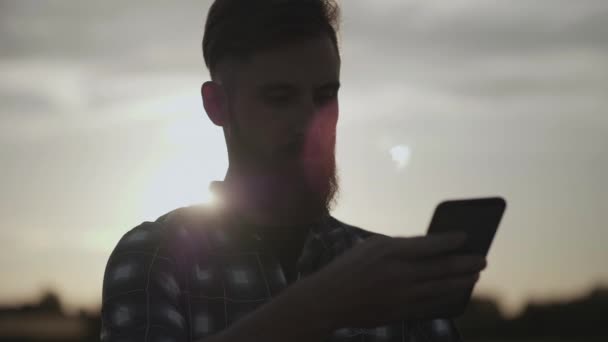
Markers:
(478, 218)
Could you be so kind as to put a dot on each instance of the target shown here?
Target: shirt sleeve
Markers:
(142, 297)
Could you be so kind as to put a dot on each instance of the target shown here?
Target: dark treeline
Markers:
(32, 317)
(580, 318)
(584, 317)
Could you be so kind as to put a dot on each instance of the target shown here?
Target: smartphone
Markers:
(477, 217)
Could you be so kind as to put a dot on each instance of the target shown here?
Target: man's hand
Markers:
(385, 279)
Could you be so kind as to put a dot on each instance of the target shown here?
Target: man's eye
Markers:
(278, 98)
(324, 98)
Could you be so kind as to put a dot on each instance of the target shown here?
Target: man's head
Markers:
(275, 70)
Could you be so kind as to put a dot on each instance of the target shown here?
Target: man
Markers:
(268, 262)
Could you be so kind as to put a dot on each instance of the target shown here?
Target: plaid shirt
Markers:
(189, 275)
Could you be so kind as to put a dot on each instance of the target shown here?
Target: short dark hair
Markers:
(235, 29)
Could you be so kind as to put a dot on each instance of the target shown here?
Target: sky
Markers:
(102, 128)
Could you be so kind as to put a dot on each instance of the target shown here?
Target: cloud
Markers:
(473, 28)
(34, 82)
(72, 67)
(93, 62)
(138, 35)
(502, 58)
(43, 99)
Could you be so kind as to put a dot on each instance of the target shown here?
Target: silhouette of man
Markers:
(267, 261)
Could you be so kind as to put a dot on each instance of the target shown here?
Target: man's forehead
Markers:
(313, 61)
(291, 85)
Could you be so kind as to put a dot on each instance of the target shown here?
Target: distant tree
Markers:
(581, 317)
(93, 325)
(50, 302)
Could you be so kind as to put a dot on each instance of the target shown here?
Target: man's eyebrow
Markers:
(269, 87)
(281, 86)
(330, 85)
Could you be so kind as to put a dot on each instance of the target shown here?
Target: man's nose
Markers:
(302, 117)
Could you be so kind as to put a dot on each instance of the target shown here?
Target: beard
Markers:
(296, 182)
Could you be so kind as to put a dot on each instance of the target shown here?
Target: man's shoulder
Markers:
(149, 236)
(192, 215)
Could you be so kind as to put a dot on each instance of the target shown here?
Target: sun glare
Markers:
(188, 159)
(173, 188)
(184, 170)
(401, 155)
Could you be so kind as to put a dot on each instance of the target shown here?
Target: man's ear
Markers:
(215, 102)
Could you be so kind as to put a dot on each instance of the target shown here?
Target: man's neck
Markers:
(244, 194)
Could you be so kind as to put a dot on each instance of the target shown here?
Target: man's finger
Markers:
(438, 288)
(449, 266)
(426, 246)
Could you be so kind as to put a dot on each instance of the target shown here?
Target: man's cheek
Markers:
(321, 136)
